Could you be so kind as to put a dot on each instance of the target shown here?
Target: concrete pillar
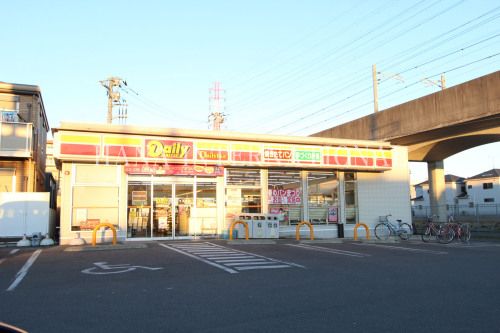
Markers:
(437, 190)
(341, 212)
(305, 196)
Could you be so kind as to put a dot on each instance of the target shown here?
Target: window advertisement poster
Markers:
(284, 196)
(139, 198)
(333, 214)
(233, 202)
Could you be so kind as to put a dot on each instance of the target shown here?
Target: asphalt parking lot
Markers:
(219, 286)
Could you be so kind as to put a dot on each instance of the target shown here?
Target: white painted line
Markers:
(2, 260)
(229, 270)
(13, 251)
(256, 262)
(240, 260)
(403, 248)
(259, 256)
(209, 253)
(24, 270)
(245, 268)
(334, 251)
(229, 257)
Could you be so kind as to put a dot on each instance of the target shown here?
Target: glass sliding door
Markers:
(162, 210)
(183, 204)
(171, 208)
(138, 210)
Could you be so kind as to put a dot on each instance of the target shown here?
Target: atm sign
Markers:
(303, 155)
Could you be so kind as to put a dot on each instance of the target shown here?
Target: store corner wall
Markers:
(65, 234)
(385, 193)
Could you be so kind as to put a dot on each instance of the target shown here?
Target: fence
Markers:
(481, 217)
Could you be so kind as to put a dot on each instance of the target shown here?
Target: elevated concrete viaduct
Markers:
(435, 127)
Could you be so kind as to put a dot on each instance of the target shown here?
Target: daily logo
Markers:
(169, 149)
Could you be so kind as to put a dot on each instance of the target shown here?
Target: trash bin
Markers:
(340, 230)
(258, 226)
(36, 238)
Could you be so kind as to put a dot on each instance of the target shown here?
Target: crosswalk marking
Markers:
(229, 260)
(328, 250)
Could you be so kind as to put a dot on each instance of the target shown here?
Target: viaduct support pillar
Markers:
(437, 190)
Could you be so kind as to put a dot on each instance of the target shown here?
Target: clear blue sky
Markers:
(286, 67)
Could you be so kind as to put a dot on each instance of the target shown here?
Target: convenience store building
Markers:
(160, 183)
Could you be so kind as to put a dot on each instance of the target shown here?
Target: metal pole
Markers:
(375, 88)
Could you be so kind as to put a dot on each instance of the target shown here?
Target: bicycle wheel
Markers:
(465, 233)
(382, 231)
(405, 231)
(445, 234)
(426, 235)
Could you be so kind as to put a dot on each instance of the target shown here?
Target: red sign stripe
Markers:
(125, 151)
(80, 149)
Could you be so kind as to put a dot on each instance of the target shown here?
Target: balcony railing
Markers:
(16, 139)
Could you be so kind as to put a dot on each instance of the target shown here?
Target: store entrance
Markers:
(158, 210)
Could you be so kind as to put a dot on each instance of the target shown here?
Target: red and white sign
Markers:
(284, 196)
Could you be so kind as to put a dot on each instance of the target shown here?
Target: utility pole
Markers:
(443, 82)
(375, 87)
(114, 98)
(216, 117)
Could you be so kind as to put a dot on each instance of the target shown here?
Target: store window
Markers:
(350, 195)
(323, 197)
(93, 205)
(285, 195)
(95, 196)
(243, 191)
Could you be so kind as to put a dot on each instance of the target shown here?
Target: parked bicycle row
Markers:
(434, 231)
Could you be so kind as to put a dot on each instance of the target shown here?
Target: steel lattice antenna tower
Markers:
(114, 99)
(216, 107)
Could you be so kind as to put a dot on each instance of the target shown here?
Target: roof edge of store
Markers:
(208, 134)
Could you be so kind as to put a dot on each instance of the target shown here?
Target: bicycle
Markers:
(385, 228)
(461, 231)
(442, 233)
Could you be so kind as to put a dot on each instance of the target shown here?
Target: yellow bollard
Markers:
(311, 231)
(97, 227)
(356, 230)
(231, 227)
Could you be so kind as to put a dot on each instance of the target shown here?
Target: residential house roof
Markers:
(487, 174)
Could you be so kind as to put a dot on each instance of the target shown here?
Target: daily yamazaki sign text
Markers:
(169, 149)
(130, 149)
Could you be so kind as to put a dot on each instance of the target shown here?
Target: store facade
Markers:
(156, 183)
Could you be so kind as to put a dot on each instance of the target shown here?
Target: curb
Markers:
(104, 247)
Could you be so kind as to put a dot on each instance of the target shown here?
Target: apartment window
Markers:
(489, 199)
(487, 186)
(9, 106)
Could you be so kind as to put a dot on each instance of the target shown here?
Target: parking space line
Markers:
(24, 270)
(408, 249)
(245, 268)
(328, 250)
